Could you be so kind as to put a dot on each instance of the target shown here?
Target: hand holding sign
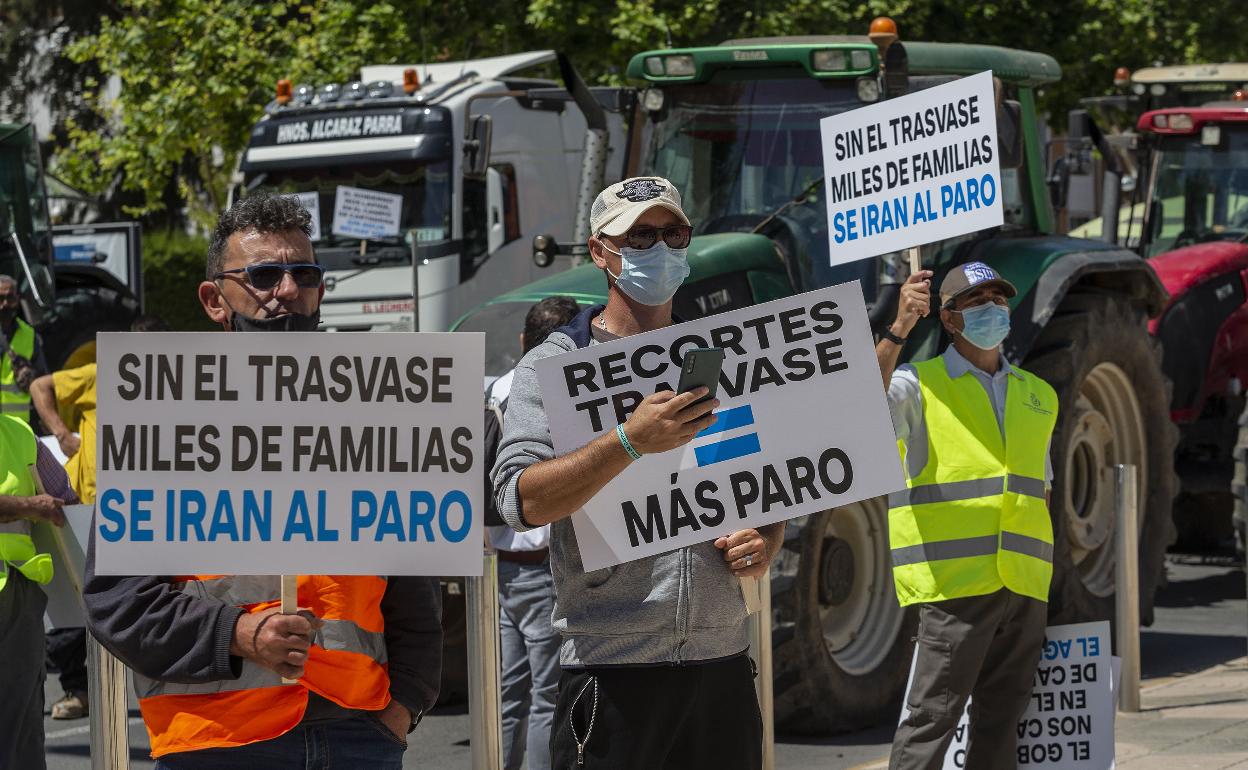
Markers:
(665, 420)
(747, 552)
(278, 642)
(915, 302)
(43, 508)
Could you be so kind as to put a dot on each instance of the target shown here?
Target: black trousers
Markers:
(67, 654)
(984, 648)
(659, 718)
(21, 674)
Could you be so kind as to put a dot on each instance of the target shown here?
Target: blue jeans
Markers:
(358, 743)
(530, 662)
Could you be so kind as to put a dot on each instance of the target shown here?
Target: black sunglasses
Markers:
(644, 236)
(268, 275)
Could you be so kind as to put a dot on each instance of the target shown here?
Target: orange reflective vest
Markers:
(346, 664)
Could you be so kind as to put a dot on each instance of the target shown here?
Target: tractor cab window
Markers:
(1200, 189)
(742, 147)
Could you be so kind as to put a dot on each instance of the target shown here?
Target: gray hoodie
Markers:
(680, 607)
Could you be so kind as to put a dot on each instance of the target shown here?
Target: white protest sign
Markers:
(360, 213)
(803, 424)
(1069, 721)
(311, 203)
(912, 170)
(68, 547)
(304, 453)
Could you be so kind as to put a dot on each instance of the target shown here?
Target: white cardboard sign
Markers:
(1069, 721)
(803, 424)
(912, 170)
(304, 453)
(360, 213)
(311, 203)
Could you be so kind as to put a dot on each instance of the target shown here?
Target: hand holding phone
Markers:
(701, 368)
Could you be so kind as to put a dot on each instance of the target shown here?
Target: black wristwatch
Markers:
(893, 338)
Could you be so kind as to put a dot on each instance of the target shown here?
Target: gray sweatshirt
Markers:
(676, 608)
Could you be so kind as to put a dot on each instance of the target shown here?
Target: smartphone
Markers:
(701, 369)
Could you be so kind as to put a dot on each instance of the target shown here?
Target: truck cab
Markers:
(1195, 236)
(403, 167)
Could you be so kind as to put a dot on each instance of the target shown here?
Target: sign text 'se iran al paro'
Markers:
(304, 453)
(912, 170)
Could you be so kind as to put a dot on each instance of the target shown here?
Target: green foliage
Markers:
(195, 74)
(173, 266)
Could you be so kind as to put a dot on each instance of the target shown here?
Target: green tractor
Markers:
(66, 302)
(736, 128)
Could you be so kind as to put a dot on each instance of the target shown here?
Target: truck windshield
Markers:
(1200, 191)
(740, 149)
(424, 215)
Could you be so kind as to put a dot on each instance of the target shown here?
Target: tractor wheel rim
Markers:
(859, 628)
(1108, 429)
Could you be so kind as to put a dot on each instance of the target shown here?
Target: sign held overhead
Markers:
(912, 170)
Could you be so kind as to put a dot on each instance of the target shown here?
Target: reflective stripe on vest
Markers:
(346, 664)
(974, 519)
(17, 456)
(13, 400)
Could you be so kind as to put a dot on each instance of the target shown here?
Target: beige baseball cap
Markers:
(617, 207)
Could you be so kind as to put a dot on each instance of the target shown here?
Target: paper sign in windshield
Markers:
(311, 203)
(367, 214)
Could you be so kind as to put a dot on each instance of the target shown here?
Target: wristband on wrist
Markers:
(633, 453)
(893, 338)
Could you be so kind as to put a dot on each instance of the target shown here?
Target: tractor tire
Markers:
(1114, 408)
(846, 664)
(1239, 487)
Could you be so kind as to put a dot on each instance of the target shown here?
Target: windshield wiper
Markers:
(800, 199)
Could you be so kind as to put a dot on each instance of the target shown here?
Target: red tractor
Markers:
(1195, 235)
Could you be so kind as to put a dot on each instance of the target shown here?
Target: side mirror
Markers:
(1059, 183)
(477, 145)
(1010, 134)
(544, 250)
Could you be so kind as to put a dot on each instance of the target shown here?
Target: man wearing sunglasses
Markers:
(971, 539)
(209, 651)
(655, 671)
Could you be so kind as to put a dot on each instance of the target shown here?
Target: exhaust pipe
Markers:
(594, 156)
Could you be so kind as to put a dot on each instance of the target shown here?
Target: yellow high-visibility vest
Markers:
(974, 519)
(17, 455)
(13, 400)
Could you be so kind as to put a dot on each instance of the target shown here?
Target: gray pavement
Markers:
(1195, 696)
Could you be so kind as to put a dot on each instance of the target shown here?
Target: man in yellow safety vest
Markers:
(33, 488)
(21, 354)
(971, 538)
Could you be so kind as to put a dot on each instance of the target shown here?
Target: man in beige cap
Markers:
(655, 672)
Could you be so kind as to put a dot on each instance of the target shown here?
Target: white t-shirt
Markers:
(504, 538)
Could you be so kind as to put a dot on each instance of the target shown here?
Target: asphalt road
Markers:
(1201, 620)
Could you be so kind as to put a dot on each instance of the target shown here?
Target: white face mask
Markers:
(650, 276)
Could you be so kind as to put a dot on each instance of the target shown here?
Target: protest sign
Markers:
(1069, 721)
(68, 547)
(311, 203)
(360, 213)
(803, 424)
(912, 170)
(304, 453)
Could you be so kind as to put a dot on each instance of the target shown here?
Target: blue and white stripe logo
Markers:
(727, 447)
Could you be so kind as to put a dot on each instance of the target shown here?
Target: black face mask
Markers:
(291, 322)
(7, 315)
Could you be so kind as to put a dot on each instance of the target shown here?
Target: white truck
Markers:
(455, 165)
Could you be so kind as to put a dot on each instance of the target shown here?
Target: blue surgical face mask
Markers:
(650, 276)
(986, 326)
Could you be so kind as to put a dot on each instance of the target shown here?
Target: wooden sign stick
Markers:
(290, 603)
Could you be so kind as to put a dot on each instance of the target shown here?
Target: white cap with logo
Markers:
(617, 207)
